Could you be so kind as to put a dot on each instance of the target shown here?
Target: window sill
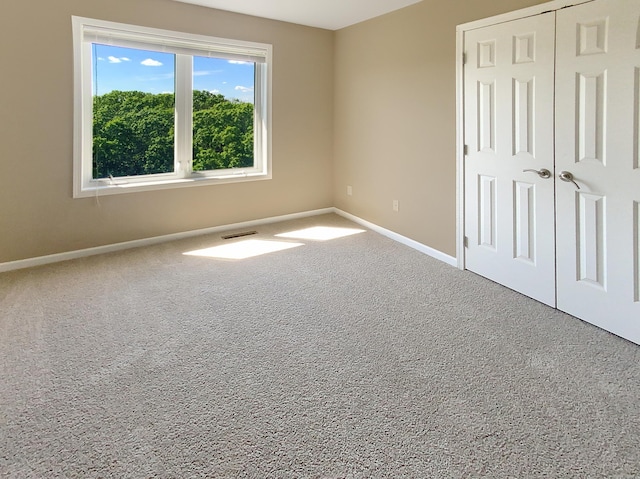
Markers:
(124, 186)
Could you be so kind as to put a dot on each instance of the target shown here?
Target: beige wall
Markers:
(394, 127)
(38, 215)
(372, 106)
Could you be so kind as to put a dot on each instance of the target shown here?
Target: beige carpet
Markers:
(353, 357)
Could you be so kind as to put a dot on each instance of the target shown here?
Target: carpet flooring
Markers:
(345, 358)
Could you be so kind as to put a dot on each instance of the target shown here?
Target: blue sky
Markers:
(118, 68)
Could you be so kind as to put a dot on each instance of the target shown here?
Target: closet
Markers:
(550, 169)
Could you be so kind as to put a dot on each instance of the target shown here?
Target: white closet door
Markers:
(597, 125)
(508, 89)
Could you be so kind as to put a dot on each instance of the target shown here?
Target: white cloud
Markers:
(244, 89)
(113, 59)
(100, 59)
(238, 62)
(151, 63)
(215, 92)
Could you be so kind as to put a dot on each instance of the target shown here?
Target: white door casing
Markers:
(508, 111)
(597, 128)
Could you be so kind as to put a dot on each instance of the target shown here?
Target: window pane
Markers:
(223, 99)
(133, 111)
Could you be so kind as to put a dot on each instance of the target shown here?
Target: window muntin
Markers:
(219, 129)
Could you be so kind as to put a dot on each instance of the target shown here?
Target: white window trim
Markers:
(184, 45)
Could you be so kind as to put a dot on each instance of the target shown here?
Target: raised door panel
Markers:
(590, 108)
(523, 116)
(524, 234)
(486, 112)
(591, 248)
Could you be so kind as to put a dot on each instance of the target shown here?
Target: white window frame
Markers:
(87, 31)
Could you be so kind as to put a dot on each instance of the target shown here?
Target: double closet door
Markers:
(552, 162)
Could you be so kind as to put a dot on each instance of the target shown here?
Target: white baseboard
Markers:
(55, 258)
(434, 253)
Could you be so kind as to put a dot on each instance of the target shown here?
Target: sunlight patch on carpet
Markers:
(321, 233)
(243, 249)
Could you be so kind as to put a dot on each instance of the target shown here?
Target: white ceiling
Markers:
(329, 14)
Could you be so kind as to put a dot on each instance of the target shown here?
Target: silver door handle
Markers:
(568, 177)
(543, 173)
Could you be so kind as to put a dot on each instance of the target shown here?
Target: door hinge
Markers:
(464, 58)
(465, 242)
(465, 150)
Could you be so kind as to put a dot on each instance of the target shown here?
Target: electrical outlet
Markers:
(349, 190)
(396, 205)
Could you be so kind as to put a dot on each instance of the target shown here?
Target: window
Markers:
(159, 109)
